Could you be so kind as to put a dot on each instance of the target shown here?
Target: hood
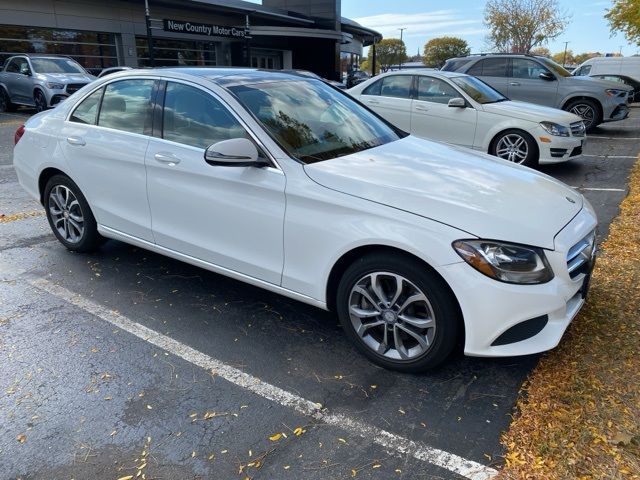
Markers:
(68, 77)
(586, 82)
(531, 112)
(485, 196)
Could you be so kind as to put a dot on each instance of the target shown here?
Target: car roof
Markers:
(422, 71)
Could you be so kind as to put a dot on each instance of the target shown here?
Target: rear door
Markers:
(492, 71)
(390, 97)
(526, 85)
(105, 141)
(432, 118)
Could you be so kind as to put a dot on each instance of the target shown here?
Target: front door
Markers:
(232, 217)
(526, 85)
(115, 184)
(19, 84)
(432, 118)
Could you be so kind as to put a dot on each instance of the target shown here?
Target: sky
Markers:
(588, 30)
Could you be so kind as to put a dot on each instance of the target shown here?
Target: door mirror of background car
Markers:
(547, 76)
(457, 103)
(24, 70)
(237, 152)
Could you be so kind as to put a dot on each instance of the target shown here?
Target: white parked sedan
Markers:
(462, 110)
(285, 182)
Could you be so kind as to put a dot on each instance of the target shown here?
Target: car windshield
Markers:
(312, 121)
(56, 65)
(478, 90)
(557, 69)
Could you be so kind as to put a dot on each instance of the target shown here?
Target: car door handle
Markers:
(79, 141)
(422, 108)
(514, 84)
(167, 158)
(373, 102)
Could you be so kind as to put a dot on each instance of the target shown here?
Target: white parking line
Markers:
(611, 156)
(391, 442)
(593, 189)
(613, 138)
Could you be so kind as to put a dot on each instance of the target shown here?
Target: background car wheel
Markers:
(516, 146)
(69, 215)
(5, 102)
(40, 101)
(397, 312)
(588, 110)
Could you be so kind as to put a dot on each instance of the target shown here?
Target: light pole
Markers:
(401, 32)
(564, 58)
(147, 19)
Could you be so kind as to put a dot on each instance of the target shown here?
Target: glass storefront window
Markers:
(348, 62)
(168, 52)
(89, 49)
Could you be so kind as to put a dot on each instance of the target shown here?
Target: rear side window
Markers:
(126, 106)
(396, 86)
(87, 111)
(489, 67)
(193, 117)
(373, 89)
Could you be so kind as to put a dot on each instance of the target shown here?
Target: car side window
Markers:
(126, 106)
(396, 86)
(489, 67)
(373, 89)
(527, 69)
(87, 111)
(13, 67)
(435, 90)
(584, 70)
(193, 117)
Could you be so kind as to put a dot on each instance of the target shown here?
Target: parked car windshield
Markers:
(55, 65)
(312, 121)
(478, 90)
(557, 69)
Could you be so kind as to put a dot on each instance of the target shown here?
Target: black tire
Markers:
(5, 102)
(532, 153)
(582, 107)
(447, 317)
(89, 240)
(40, 101)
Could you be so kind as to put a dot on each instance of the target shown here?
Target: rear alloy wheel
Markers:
(40, 101)
(69, 215)
(397, 313)
(5, 102)
(588, 110)
(516, 146)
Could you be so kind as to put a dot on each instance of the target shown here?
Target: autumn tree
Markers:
(560, 58)
(389, 52)
(517, 26)
(582, 57)
(624, 17)
(541, 51)
(439, 50)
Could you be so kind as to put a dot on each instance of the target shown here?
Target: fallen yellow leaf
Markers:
(21, 438)
(275, 437)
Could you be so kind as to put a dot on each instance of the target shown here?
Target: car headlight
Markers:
(555, 129)
(55, 86)
(615, 92)
(506, 262)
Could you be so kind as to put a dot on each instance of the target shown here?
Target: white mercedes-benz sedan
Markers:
(282, 181)
(463, 110)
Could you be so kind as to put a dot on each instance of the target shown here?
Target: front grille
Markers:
(577, 129)
(580, 256)
(74, 87)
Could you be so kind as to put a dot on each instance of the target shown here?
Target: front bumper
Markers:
(616, 109)
(490, 308)
(560, 149)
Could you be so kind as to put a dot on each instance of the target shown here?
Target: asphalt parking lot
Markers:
(125, 362)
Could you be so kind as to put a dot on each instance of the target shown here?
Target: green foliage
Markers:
(389, 52)
(439, 50)
(624, 17)
(517, 26)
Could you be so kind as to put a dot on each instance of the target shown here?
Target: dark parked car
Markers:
(356, 77)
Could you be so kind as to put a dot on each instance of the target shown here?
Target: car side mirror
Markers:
(547, 76)
(457, 103)
(24, 70)
(237, 152)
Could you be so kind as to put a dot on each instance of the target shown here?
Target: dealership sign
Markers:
(203, 29)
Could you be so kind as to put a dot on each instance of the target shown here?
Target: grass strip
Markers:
(579, 412)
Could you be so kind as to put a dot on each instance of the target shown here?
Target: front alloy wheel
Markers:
(392, 316)
(40, 101)
(515, 146)
(398, 312)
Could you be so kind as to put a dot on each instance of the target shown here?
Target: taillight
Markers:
(18, 135)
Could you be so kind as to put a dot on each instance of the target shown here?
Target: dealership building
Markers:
(277, 34)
